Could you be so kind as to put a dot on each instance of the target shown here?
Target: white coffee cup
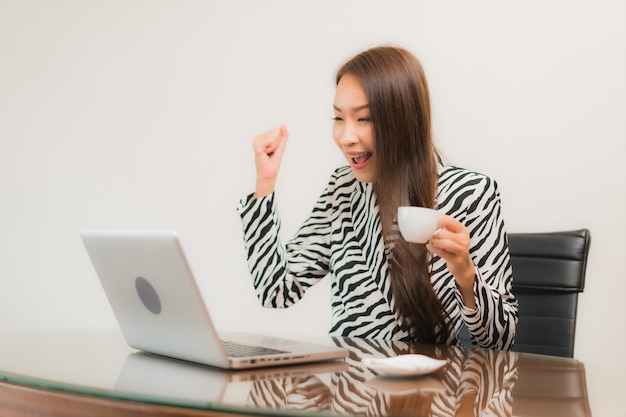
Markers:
(417, 224)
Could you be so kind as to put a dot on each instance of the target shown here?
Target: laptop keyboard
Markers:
(239, 350)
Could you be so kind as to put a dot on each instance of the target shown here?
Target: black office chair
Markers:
(548, 273)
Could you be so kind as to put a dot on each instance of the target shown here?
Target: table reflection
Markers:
(476, 382)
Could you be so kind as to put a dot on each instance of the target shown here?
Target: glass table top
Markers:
(476, 381)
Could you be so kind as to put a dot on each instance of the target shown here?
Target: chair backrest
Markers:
(548, 273)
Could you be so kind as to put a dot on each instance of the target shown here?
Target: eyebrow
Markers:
(358, 108)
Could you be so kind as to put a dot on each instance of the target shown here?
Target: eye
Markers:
(337, 119)
(364, 119)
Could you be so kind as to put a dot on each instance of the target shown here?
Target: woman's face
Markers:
(352, 128)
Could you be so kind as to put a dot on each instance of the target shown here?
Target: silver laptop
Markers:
(160, 310)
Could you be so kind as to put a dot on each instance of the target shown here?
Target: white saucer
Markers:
(404, 365)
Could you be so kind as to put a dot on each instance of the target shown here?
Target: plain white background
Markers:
(140, 113)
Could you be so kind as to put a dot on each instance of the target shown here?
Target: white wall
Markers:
(140, 113)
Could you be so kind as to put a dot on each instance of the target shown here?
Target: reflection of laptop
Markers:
(160, 310)
(171, 380)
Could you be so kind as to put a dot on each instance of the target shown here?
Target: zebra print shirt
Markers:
(343, 238)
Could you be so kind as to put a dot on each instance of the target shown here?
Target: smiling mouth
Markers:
(361, 159)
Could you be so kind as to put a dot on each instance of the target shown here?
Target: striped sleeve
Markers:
(493, 322)
(282, 273)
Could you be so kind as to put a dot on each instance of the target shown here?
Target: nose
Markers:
(348, 136)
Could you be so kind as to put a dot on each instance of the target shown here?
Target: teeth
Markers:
(360, 158)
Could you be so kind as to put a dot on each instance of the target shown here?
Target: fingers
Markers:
(271, 141)
(451, 234)
(451, 240)
(445, 246)
(451, 243)
(268, 152)
(283, 139)
(450, 223)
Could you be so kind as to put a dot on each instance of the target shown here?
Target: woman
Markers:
(383, 286)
